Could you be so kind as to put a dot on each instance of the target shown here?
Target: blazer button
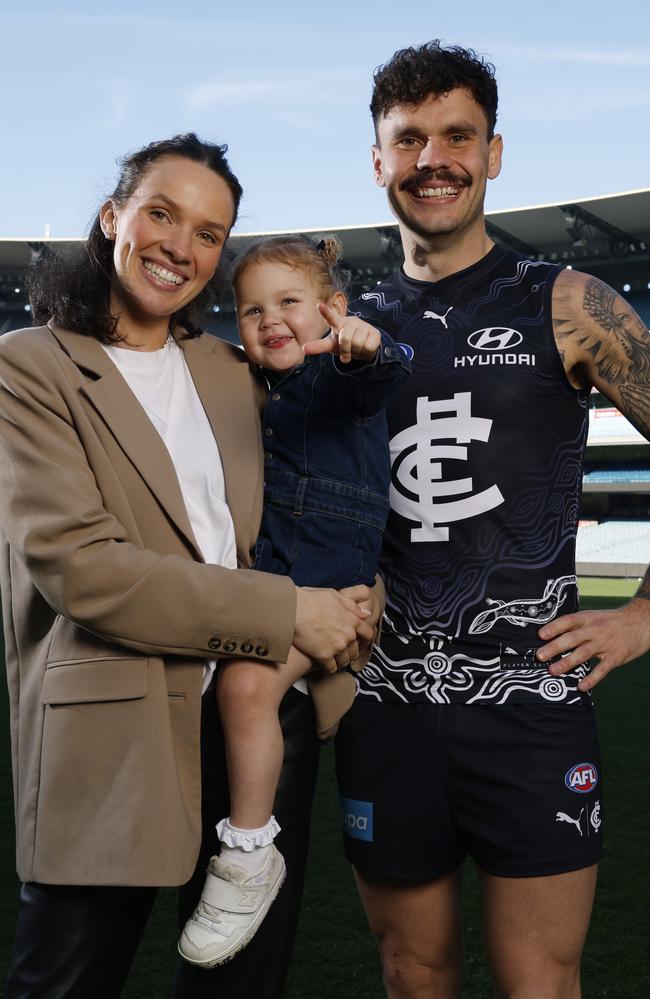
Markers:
(246, 647)
(230, 645)
(214, 643)
(261, 650)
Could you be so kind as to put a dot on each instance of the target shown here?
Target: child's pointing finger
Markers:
(326, 345)
(331, 314)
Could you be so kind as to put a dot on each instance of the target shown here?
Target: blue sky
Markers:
(287, 87)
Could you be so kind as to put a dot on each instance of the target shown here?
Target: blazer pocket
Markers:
(80, 682)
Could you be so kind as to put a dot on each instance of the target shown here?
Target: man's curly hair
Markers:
(430, 70)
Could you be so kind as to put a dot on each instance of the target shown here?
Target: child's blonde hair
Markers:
(320, 260)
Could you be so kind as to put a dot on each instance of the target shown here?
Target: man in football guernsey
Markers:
(472, 732)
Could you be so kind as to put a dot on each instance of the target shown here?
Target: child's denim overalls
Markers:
(327, 468)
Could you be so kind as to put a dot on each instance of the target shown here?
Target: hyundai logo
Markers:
(494, 338)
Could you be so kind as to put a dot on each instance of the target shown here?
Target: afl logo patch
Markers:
(582, 778)
(495, 338)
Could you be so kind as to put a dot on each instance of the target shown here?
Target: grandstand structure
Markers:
(607, 236)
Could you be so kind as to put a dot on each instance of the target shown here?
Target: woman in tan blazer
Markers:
(110, 611)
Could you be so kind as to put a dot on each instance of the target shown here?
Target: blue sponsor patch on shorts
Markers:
(357, 818)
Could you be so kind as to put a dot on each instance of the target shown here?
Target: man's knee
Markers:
(417, 928)
(422, 964)
(550, 982)
(408, 974)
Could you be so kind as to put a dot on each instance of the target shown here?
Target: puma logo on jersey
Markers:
(563, 817)
(429, 314)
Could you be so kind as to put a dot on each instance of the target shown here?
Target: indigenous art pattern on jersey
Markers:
(486, 443)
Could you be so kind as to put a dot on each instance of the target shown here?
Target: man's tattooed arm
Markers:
(604, 343)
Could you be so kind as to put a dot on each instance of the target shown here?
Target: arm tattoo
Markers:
(600, 302)
(620, 346)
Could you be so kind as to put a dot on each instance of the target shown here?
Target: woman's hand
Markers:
(373, 600)
(329, 624)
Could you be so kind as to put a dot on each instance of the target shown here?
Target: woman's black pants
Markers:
(79, 942)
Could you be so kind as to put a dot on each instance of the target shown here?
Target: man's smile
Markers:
(435, 192)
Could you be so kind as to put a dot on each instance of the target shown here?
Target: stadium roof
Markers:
(615, 225)
(588, 234)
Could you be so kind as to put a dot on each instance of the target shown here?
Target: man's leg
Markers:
(261, 968)
(401, 838)
(76, 942)
(535, 929)
(527, 794)
(417, 928)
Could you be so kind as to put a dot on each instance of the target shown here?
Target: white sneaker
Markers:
(233, 904)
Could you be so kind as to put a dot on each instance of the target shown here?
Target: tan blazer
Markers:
(109, 611)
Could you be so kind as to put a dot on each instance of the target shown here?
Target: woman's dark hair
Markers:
(75, 290)
(430, 70)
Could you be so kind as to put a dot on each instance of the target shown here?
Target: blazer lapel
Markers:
(129, 424)
(225, 388)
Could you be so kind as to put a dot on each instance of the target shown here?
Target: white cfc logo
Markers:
(595, 818)
(419, 492)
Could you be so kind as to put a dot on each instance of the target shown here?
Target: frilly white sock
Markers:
(247, 848)
(247, 839)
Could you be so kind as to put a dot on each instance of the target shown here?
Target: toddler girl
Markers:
(325, 507)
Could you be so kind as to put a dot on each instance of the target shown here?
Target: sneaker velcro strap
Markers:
(231, 897)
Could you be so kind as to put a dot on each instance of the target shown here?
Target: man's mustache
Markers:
(424, 178)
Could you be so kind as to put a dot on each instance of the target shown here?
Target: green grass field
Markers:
(334, 954)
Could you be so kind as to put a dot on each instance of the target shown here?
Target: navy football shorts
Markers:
(515, 786)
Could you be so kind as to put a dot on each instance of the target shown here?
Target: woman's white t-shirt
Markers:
(162, 384)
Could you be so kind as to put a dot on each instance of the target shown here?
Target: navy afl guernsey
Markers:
(486, 442)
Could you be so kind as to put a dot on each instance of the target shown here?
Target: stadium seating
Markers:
(613, 548)
(626, 475)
